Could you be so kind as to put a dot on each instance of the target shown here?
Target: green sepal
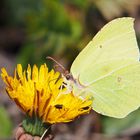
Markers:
(35, 126)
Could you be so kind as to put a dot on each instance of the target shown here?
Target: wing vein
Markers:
(104, 76)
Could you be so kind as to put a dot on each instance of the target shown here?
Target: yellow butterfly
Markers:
(108, 69)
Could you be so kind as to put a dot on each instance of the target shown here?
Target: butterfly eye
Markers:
(68, 77)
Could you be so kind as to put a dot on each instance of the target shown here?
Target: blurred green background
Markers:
(31, 30)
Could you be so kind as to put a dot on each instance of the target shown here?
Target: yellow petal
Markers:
(19, 71)
(35, 73)
(38, 92)
(29, 72)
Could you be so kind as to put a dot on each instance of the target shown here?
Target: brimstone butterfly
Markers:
(108, 69)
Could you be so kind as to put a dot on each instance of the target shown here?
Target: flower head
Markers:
(38, 92)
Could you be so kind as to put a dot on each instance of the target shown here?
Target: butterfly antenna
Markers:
(50, 58)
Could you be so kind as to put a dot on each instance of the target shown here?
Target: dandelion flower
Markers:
(38, 93)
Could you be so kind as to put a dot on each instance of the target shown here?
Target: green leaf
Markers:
(5, 124)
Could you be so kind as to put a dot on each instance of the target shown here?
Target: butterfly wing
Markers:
(112, 54)
(116, 40)
(118, 93)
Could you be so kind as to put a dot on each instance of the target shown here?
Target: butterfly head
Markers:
(68, 75)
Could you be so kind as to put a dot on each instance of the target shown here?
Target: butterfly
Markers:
(108, 70)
